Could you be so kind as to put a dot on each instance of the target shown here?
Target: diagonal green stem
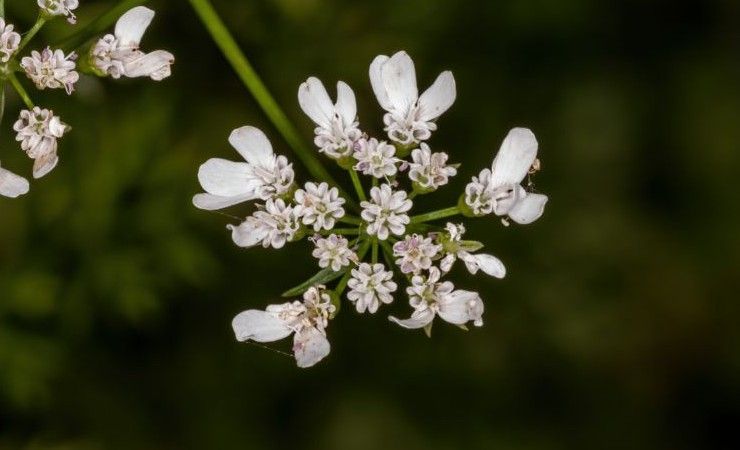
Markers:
(435, 215)
(225, 41)
(21, 91)
(40, 21)
(357, 184)
(98, 26)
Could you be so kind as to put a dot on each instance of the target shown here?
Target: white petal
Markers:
(490, 265)
(315, 102)
(155, 65)
(246, 234)
(346, 105)
(226, 178)
(376, 80)
(253, 145)
(528, 209)
(45, 164)
(514, 158)
(309, 347)
(210, 202)
(12, 185)
(399, 80)
(438, 98)
(259, 326)
(132, 25)
(417, 319)
(460, 307)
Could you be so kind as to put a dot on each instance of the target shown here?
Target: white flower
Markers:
(416, 253)
(337, 125)
(375, 158)
(12, 185)
(9, 41)
(273, 226)
(319, 206)
(60, 8)
(307, 320)
(118, 54)
(504, 194)
(429, 298)
(478, 194)
(333, 251)
(370, 286)
(409, 117)
(386, 211)
(37, 131)
(51, 69)
(430, 170)
(456, 248)
(263, 176)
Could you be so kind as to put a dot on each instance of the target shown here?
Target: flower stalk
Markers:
(20, 90)
(436, 215)
(40, 21)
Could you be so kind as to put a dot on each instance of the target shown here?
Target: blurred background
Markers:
(616, 327)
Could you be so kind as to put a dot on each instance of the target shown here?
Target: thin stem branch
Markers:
(239, 62)
(98, 26)
(374, 257)
(21, 91)
(352, 220)
(357, 184)
(40, 21)
(2, 9)
(435, 215)
(342, 231)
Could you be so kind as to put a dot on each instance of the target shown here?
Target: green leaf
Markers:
(322, 277)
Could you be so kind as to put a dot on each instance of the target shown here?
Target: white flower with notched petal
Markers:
(319, 206)
(386, 211)
(409, 117)
(375, 158)
(60, 8)
(333, 251)
(505, 195)
(306, 320)
(429, 297)
(337, 129)
(263, 176)
(415, 253)
(370, 286)
(37, 131)
(429, 170)
(12, 185)
(9, 41)
(478, 195)
(457, 248)
(273, 226)
(51, 69)
(118, 54)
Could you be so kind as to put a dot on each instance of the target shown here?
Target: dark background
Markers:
(616, 327)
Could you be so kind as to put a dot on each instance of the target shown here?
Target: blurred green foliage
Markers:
(617, 326)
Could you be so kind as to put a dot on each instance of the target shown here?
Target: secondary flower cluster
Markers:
(416, 254)
(38, 129)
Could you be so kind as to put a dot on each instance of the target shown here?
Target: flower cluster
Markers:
(38, 129)
(416, 253)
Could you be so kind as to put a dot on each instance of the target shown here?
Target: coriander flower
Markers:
(409, 119)
(319, 206)
(263, 176)
(337, 129)
(333, 251)
(478, 194)
(429, 170)
(456, 248)
(386, 211)
(370, 286)
(375, 158)
(9, 41)
(504, 194)
(37, 131)
(429, 297)
(51, 69)
(12, 185)
(118, 54)
(273, 226)
(415, 253)
(306, 320)
(60, 8)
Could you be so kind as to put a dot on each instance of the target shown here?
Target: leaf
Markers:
(322, 277)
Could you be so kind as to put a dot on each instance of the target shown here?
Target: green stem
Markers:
(357, 184)
(2, 9)
(374, 257)
(40, 21)
(231, 51)
(435, 215)
(342, 231)
(352, 220)
(21, 91)
(98, 26)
